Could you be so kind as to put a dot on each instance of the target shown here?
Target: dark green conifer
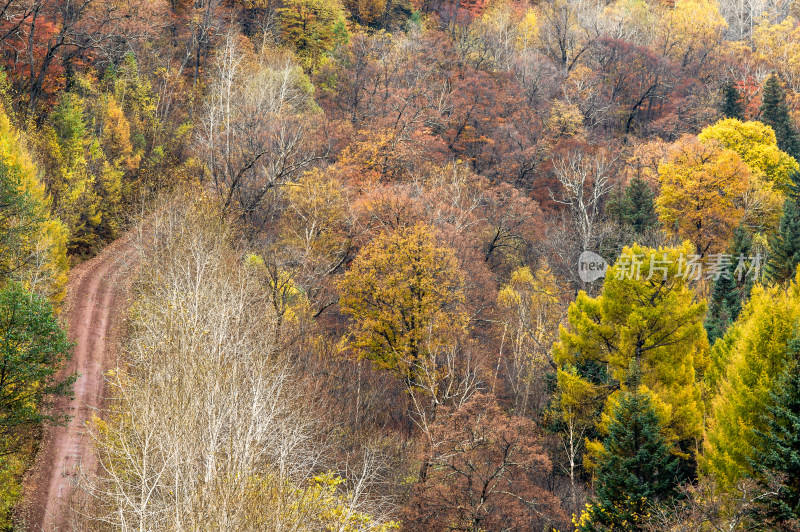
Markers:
(723, 307)
(785, 245)
(635, 207)
(731, 102)
(635, 469)
(730, 292)
(775, 113)
(777, 465)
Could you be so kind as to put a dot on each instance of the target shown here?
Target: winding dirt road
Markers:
(96, 297)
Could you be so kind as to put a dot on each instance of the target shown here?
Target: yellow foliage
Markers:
(366, 11)
(12, 466)
(654, 324)
(632, 18)
(770, 168)
(116, 137)
(702, 189)
(690, 30)
(317, 217)
(43, 252)
(747, 359)
(566, 120)
(404, 294)
(528, 30)
(531, 303)
(777, 47)
(756, 144)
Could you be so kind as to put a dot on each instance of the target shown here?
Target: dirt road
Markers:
(97, 295)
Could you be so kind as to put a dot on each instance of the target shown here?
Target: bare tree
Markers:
(585, 180)
(207, 428)
(743, 15)
(568, 29)
(255, 130)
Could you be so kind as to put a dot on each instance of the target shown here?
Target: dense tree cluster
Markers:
(369, 221)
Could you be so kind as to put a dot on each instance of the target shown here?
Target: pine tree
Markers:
(777, 465)
(785, 245)
(635, 468)
(633, 210)
(775, 113)
(731, 102)
(723, 307)
(639, 205)
(730, 292)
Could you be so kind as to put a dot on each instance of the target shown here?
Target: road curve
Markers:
(96, 298)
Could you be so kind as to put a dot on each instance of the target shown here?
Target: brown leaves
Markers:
(483, 470)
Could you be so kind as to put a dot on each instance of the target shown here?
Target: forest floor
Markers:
(98, 294)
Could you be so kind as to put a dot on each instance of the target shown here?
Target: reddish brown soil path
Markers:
(96, 298)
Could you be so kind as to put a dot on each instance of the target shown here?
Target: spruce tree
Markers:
(635, 206)
(635, 469)
(777, 465)
(775, 113)
(723, 307)
(729, 292)
(732, 102)
(785, 245)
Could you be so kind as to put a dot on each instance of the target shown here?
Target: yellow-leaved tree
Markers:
(690, 33)
(645, 326)
(32, 242)
(86, 186)
(702, 193)
(757, 145)
(747, 360)
(531, 311)
(777, 47)
(770, 168)
(404, 294)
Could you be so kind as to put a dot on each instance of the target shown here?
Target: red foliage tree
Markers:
(42, 42)
(484, 471)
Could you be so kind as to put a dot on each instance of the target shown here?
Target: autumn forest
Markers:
(414, 265)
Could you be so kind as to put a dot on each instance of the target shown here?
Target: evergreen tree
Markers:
(632, 206)
(635, 468)
(730, 292)
(639, 210)
(732, 102)
(785, 245)
(633, 209)
(723, 307)
(777, 465)
(775, 113)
